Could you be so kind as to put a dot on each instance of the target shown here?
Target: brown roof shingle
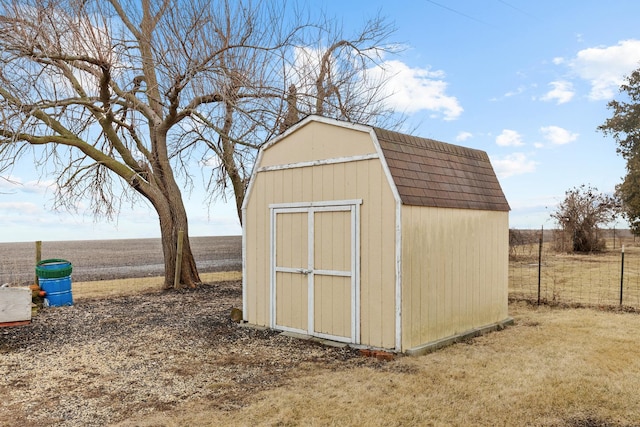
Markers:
(437, 174)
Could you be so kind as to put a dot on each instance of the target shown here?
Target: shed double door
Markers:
(314, 270)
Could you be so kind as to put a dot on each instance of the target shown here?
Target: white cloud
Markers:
(19, 208)
(12, 184)
(38, 187)
(558, 60)
(557, 135)
(562, 92)
(509, 138)
(515, 92)
(211, 162)
(415, 89)
(512, 164)
(518, 91)
(6, 183)
(605, 67)
(463, 136)
(405, 89)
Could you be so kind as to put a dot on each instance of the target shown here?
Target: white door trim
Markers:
(352, 206)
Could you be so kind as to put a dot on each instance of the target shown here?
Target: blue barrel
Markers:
(54, 276)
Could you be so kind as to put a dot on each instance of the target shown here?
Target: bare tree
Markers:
(581, 214)
(624, 127)
(107, 94)
(115, 98)
(339, 78)
(321, 71)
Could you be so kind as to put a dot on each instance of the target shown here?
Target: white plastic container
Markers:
(15, 305)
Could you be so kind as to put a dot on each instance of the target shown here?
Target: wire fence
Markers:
(543, 270)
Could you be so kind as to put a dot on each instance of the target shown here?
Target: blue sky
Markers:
(525, 81)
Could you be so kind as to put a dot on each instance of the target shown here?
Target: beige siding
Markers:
(291, 252)
(332, 240)
(256, 256)
(454, 272)
(332, 254)
(454, 261)
(362, 179)
(317, 141)
(332, 311)
(291, 296)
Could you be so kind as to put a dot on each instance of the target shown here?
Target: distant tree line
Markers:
(584, 211)
(624, 127)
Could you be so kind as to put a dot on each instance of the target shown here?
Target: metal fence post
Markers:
(176, 278)
(38, 257)
(540, 262)
(621, 275)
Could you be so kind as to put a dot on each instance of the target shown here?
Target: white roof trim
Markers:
(314, 118)
(398, 248)
(322, 162)
(304, 122)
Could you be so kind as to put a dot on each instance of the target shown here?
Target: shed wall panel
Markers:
(317, 141)
(363, 179)
(454, 271)
(291, 252)
(330, 317)
(332, 241)
(257, 229)
(291, 297)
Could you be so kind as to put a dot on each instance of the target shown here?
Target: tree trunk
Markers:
(164, 194)
(173, 218)
(170, 225)
(228, 161)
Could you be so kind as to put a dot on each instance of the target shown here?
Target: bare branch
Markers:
(117, 95)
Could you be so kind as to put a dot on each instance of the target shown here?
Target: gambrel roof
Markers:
(437, 174)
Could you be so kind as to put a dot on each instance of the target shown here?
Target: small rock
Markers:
(236, 315)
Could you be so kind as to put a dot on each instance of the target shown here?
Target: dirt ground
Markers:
(116, 259)
(175, 358)
(104, 361)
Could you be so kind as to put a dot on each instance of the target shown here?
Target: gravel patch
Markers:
(104, 361)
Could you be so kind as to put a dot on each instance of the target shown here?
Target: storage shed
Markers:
(375, 238)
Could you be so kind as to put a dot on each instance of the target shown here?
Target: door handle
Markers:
(304, 271)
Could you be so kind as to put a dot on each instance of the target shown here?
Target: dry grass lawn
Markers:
(572, 367)
(590, 279)
(554, 367)
(133, 286)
